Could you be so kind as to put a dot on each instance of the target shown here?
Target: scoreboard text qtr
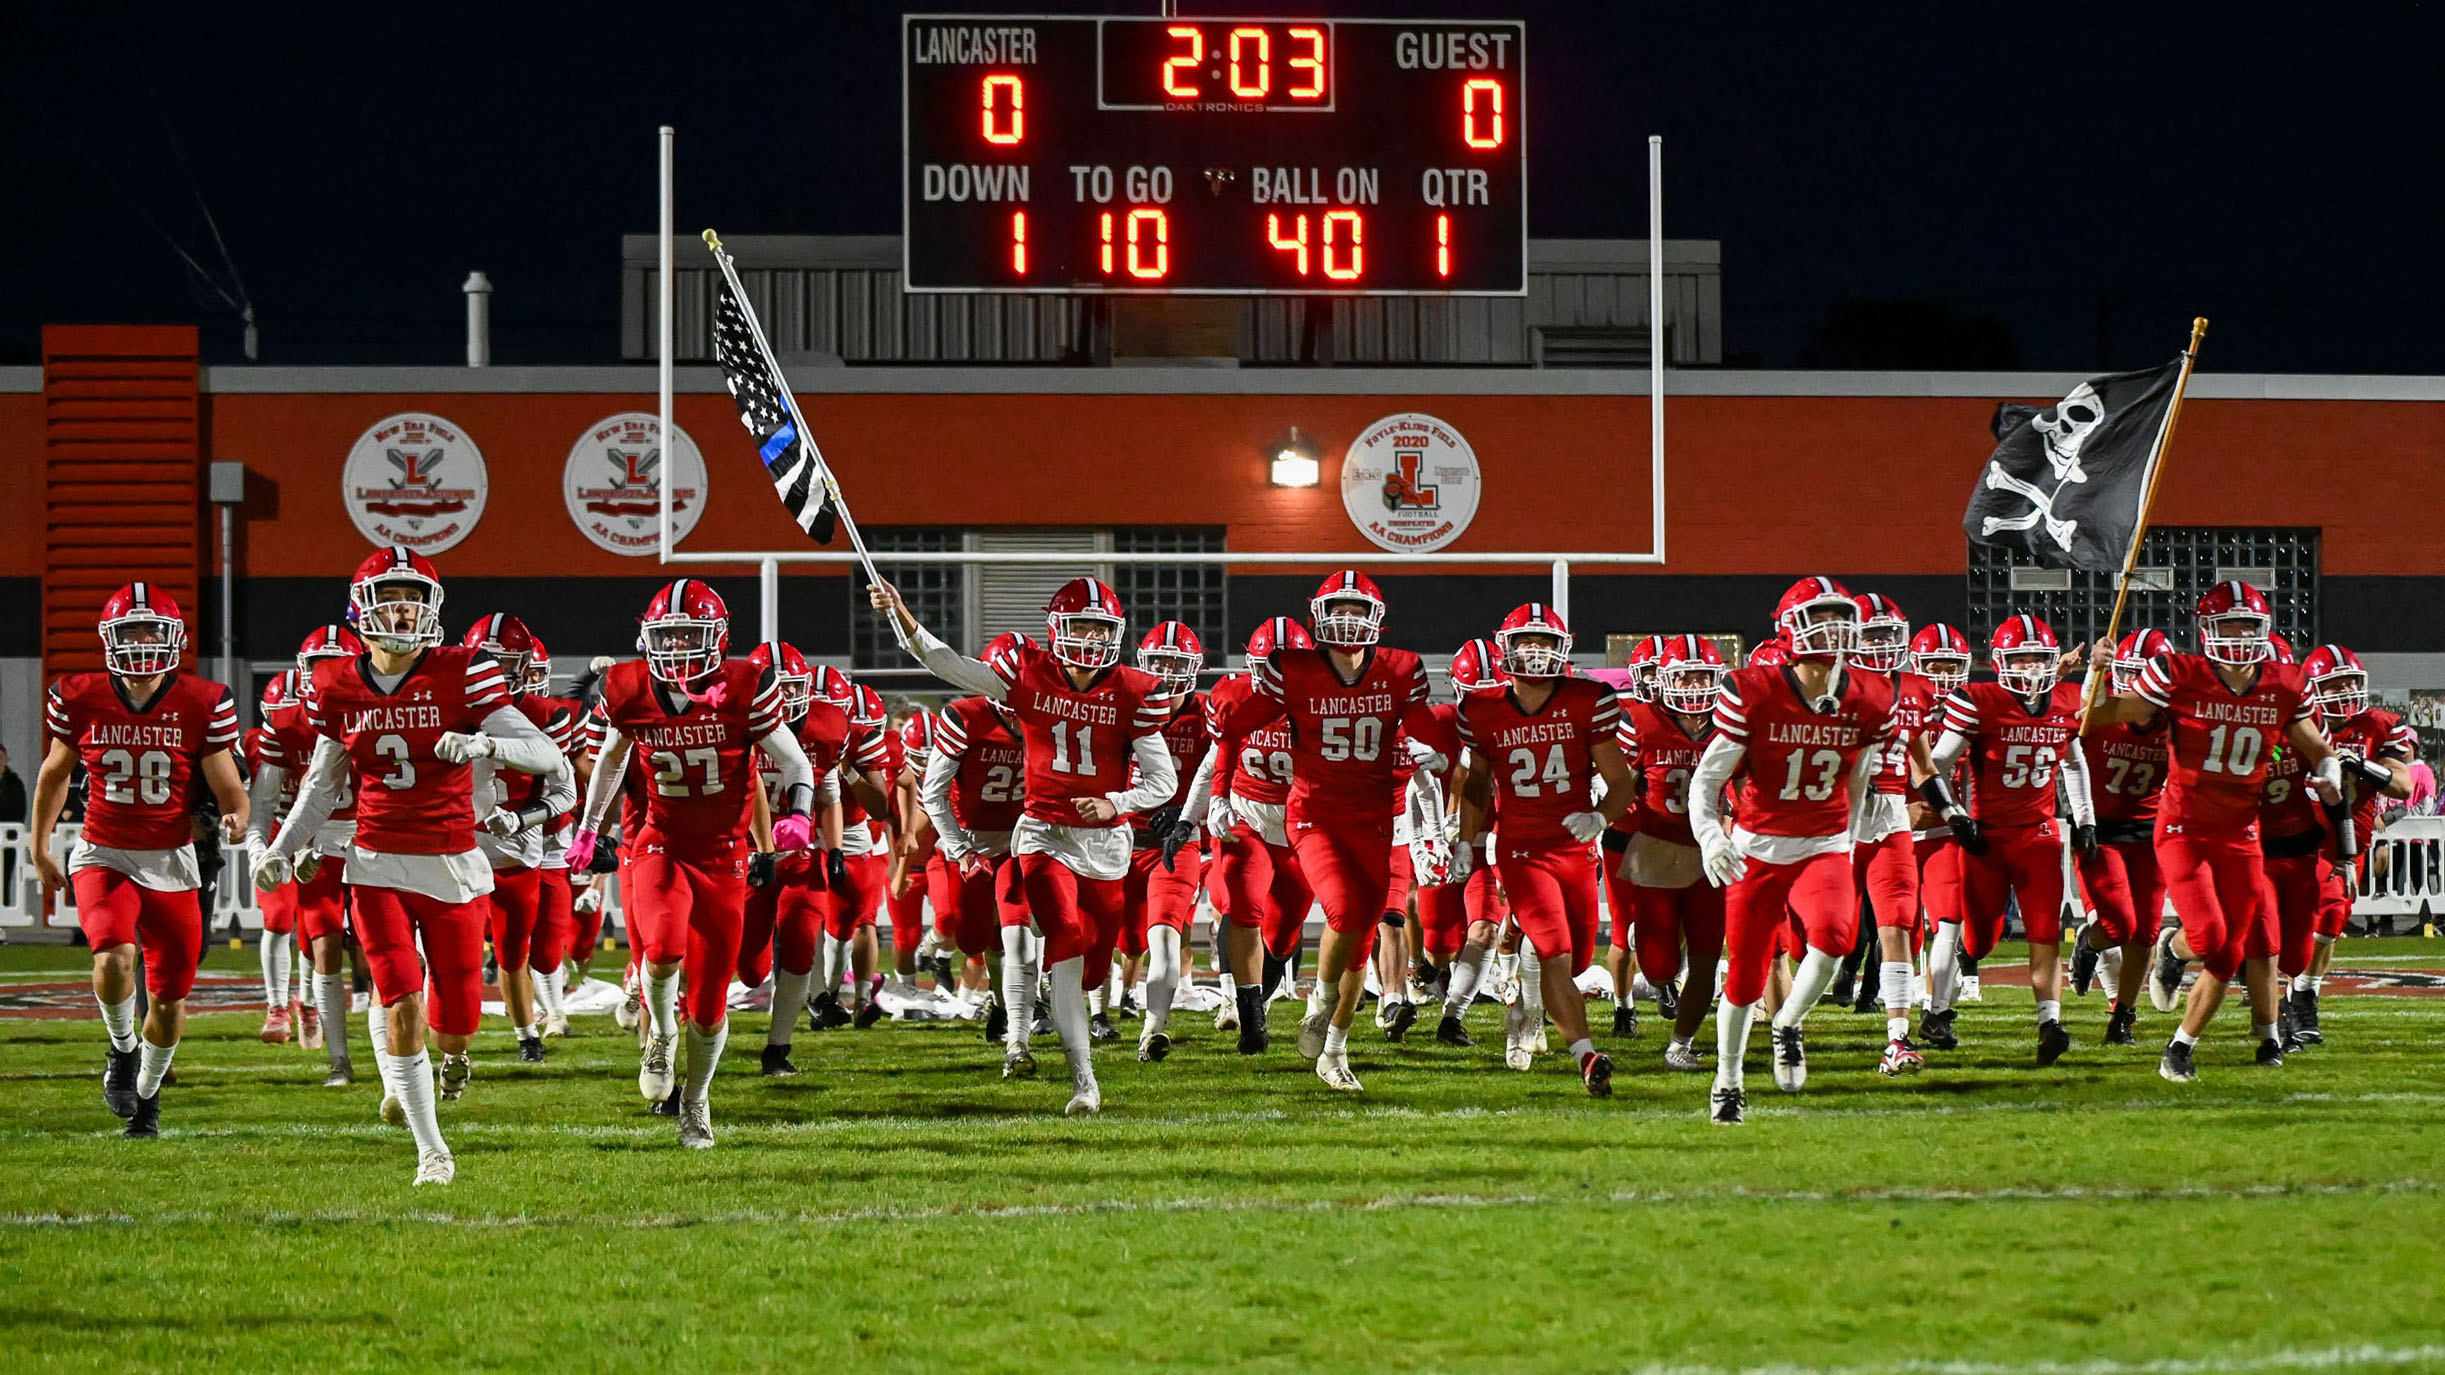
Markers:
(1224, 156)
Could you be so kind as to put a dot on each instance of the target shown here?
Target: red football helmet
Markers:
(1884, 633)
(2279, 649)
(1535, 642)
(1818, 619)
(539, 668)
(1645, 658)
(1347, 612)
(2234, 622)
(280, 692)
(327, 642)
(2025, 656)
(1771, 654)
(395, 600)
(832, 685)
(2338, 685)
(1279, 633)
(1941, 655)
(2132, 655)
(1477, 668)
(1173, 653)
(869, 709)
(790, 671)
(685, 632)
(1689, 675)
(142, 632)
(1085, 622)
(1000, 653)
(506, 639)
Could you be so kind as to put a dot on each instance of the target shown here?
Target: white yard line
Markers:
(2329, 1358)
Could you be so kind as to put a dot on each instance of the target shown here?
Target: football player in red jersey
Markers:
(556, 932)
(1646, 667)
(2371, 741)
(1086, 718)
(409, 718)
(1347, 702)
(973, 792)
(696, 717)
(1166, 864)
(321, 899)
(1265, 896)
(2123, 884)
(1545, 740)
(2229, 707)
(853, 905)
(904, 882)
(1671, 903)
(1460, 914)
(146, 734)
(279, 906)
(2018, 733)
(1808, 735)
(514, 813)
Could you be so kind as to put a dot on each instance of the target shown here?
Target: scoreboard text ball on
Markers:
(1222, 156)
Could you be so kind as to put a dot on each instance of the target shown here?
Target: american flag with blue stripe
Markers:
(797, 474)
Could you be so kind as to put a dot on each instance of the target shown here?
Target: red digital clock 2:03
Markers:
(1214, 156)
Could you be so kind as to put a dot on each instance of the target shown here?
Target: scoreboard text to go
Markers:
(1215, 155)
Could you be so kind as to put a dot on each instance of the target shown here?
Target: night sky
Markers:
(2052, 185)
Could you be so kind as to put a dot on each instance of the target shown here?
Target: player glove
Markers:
(836, 869)
(1176, 838)
(1220, 819)
(1721, 858)
(455, 748)
(1967, 830)
(2368, 771)
(762, 868)
(792, 832)
(503, 822)
(271, 869)
(2084, 839)
(1464, 859)
(1584, 826)
(581, 850)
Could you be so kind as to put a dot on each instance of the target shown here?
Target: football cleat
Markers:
(1450, 1032)
(2287, 1025)
(1900, 1058)
(1936, 1029)
(1596, 1071)
(435, 1167)
(119, 1081)
(696, 1124)
(654, 1069)
(1404, 1016)
(1536, 1036)
(2271, 1055)
(1018, 1062)
(666, 1107)
(830, 1013)
(997, 1021)
(1154, 1049)
(1869, 999)
(144, 1123)
(1254, 1038)
(1100, 1028)
(1311, 1033)
(341, 1076)
(2084, 957)
(1516, 1052)
(456, 1071)
(556, 1024)
(1668, 1000)
(2305, 1018)
(2053, 1040)
(309, 1027)
(2177, 1064)
(1971, 992)
(275, 1026)
(867, 1016)
(1226, 1017)
(1790, 1059)
(1727, 1107)
(2165, 981)
(1334, 1070)
(1625, 1018)
(631, 1005)
(1086, 1097)
(530, 1050)
(1681, 1055)
(2121, 1027)
(777, 1060)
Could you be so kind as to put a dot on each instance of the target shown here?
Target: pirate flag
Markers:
(2065, 482)
(797, 472)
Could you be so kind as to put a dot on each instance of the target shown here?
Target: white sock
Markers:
(152, 1062)
(532, 1031)
(2317, 982)
(273, 951)
(1893, 988)
(547, 990)
(1944, 967)
(1162, 976)
(1098, 1001)
(835, 964)
(2049, 1010)
(789, 1000)
(662, 1002)
(1731, 1043)
(1532, 986)
(1466, 966)
(2265, 1030)
(1582, 1046)
(410, 1078)
(1018, 986)
(331, 999)
(1320, 999)
(119, 1019)
(1336, 1040)
(2183, 1036)
(704, 1054)
(1230, 988)
(1069, 1007)
(2109, 969)
(2302, 983)
(1807, 985)
(378, 1027)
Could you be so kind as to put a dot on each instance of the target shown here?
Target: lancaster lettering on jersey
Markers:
(2051, 730)
(137, 736)
(2245, 713)
(1372, 704)
(1093, 711)
(682, 734)
(1536, 733)
(1840, 735)
(360, 720)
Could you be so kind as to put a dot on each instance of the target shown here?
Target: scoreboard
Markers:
(1216, 156)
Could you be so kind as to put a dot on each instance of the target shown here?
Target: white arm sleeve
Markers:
(1158, 776)
(610, 764)
(1950, 747)
(1715, 768)
(1201, 790)
(780, 745)
(559, 795)
(325, 776)
(1863, 782)
(2072, 769)
(262, 800)
(520, 744)
(956, 668)
(934, 794)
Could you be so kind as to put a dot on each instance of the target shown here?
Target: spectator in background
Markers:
(2423, 798)
(12, 791)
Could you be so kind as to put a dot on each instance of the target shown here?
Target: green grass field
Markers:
(899, 1207)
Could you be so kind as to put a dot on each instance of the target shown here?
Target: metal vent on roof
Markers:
(1012, 596)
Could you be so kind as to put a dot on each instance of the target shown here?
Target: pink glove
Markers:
(792, 832)
(581, 850)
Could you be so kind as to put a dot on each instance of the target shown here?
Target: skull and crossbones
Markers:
(2065, 428)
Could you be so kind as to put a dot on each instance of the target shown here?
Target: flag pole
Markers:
(2147, 500)
(806, 437)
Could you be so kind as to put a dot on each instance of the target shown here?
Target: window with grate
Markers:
(1190, 593)
(2176, 564)
(935, 592)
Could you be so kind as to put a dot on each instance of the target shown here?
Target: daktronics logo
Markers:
(414, 479)
(1410, 483)
(612, 483)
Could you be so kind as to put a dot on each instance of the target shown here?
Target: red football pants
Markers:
(2300, 886)
(1553, 893)
(779, 921)
(857, 902)
(113, 909)
(1161, 897)
(971, 910)
(1397, 887)
(1940, 879)
(689, 912)
(555, 922)
(2335, 912)
(2218, 886)
(907, 912)
(1263, 887)
(322, 901)
(278, 908)
(1816, 892)
(1670, 919)
(389, 921)
(517, 897)
(1348, 863)
(2022, 861)
(1887, 872)
(1446, 910)
(2128, 892)
(1079, 916)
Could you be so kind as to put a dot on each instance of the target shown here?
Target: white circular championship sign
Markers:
(414, 479)
(612, 482)
(1410, 483)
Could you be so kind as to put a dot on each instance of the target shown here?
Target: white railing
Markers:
(2406, 871)
(21, 893)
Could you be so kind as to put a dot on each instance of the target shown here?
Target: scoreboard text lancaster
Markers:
(1229, 156)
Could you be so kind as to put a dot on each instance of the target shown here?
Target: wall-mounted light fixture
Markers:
(1296, 460)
